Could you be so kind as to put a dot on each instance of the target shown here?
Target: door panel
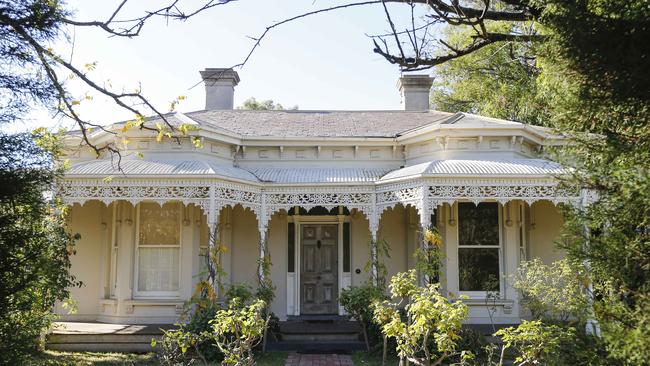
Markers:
(319, 269)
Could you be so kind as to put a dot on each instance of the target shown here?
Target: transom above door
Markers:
(319, 269)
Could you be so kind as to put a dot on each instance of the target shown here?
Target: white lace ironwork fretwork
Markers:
(502, 194)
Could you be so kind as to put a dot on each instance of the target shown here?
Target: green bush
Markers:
(237, 330)
(553, 292)
(430, 317)
(35, 248)
(358, 302)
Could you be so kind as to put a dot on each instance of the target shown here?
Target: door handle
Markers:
(318, 244)
(317, 278)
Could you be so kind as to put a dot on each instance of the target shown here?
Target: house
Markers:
(314, 191)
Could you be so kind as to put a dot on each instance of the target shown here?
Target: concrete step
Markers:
(103, 347)
(319, 331)
(317, 346)
(101, 338)
(309, 327)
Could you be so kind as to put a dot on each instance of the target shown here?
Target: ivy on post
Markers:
(428, 252)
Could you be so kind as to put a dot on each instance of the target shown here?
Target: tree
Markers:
(263, 105)
(34, 73)
(588, 82)
(500, 81)
(35, 249)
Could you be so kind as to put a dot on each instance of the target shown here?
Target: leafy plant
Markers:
(429, 317)
(357, 301)
(535, 342)
(555, 291)
(379, 249)
(237, 330)
(428, 256)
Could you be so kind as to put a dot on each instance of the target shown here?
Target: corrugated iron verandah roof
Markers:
(300, 175)
(424, 186)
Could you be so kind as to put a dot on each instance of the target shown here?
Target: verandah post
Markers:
(373, 223)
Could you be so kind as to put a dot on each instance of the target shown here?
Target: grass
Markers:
(54, 358)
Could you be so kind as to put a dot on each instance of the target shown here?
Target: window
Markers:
(479, 247)
(291, 245)
(158, 252)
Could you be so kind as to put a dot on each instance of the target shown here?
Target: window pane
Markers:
(158, 269)
(346, 247)
(159, 225)
(291, 247)
(478, 225)
(479, 269)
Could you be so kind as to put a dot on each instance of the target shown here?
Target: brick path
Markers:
(296, 359)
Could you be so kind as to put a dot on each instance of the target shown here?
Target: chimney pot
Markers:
(415, 91)
(219, 87)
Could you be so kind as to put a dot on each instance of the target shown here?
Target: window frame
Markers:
(136, 258)
(482, 293)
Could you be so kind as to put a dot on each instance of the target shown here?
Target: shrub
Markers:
(237, 330)
(358, 302)
(430, 316)
(555, 292)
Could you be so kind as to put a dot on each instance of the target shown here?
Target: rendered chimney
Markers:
(415, 91)
(219, 87)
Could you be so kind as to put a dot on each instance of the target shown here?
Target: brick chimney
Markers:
(415, 91)
(219, 87)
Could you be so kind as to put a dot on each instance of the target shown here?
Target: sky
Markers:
(324, 61)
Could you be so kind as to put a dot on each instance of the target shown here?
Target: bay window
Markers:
(158, 249)
(479, 249)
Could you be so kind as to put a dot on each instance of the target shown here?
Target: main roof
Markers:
(317, 123)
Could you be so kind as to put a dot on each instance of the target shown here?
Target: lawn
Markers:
(54, 358)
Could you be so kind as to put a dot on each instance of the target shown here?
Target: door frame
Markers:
(293, 279)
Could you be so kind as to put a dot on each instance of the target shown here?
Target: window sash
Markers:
(481, 293)
(168, 282)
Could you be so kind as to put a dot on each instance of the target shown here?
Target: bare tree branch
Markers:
(133, 26)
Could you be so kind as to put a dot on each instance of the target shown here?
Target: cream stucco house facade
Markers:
(311, 189)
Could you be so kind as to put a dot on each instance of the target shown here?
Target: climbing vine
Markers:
(429, 255)
(379, 251)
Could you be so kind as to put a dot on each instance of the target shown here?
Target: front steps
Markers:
(318, 336)
(102, 337)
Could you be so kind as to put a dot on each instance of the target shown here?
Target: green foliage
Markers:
(555, 292)
(358, 302)
(35, 248)
(499, 80)
(536, 342)
(587, 79)
(242, 291)
(263, 105)
(431, 317)
(376, 262)
(236, 331)
(428, 256)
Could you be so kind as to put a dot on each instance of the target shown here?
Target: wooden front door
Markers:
(319, 269)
